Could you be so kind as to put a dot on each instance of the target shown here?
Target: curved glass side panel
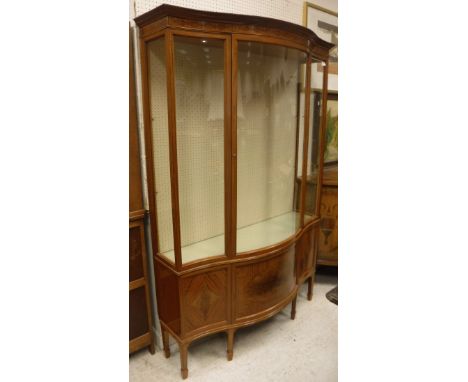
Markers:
(313, 164)
(160, 133)
(268, 125)
(199, 91)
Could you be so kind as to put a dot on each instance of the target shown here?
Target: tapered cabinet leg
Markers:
(293, 308)
(230, 344)
(183, 360)
(310, 282)
(151, 347)
(165, 337)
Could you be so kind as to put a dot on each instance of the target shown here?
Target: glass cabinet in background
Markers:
(229, 140)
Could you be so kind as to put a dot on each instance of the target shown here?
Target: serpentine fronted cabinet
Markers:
(227, 128)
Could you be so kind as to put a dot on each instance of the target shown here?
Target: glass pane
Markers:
(313, 154)
(268, 120)
(159, 126)
(199, 83)
(300, 146)
(314, 143)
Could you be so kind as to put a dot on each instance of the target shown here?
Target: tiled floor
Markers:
(279, 349)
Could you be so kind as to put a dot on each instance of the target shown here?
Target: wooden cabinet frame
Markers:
(220, 280)
(140, 315)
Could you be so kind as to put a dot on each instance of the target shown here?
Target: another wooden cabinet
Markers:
(140, 320)
(226, 139)
(328, 234)
(328, 237)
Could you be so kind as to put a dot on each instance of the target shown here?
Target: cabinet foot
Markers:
(165, 338)
(151, 348)
(310, 282)
(230, 344)
(293, 308)
(183, 360)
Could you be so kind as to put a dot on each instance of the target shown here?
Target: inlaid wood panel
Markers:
(167, 293)
(263, 284)
(309, 246)
(304, 250)
(138, 314)
(204, 299)
(135, 251)
(299, 258)
(305, 253)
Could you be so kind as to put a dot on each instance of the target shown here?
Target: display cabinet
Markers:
(227, 108)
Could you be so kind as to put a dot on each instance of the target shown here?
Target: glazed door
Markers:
(199, 74)
(156, 60)
(229, 175)
(270, 82)
(312, 174)
(189, 141)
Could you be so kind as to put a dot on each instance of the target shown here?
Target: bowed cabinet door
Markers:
(260, 286)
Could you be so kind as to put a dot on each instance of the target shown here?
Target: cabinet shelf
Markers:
(258, 235)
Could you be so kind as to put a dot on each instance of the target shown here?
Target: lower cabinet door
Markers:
(262, 285)
(205, 300)
(138, 313)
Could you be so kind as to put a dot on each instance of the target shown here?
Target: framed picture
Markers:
(324, 23)
(331, 132)
(330, 155)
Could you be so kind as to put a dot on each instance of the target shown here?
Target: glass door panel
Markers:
(314, 147)
(160, 133)
(268, 136)
(199, 91)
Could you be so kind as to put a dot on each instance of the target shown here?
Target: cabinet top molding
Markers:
(172, 11)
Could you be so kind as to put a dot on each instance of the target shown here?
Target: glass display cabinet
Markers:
(228, 132)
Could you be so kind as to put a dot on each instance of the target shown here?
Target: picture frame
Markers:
(330, 155)
(324, 23)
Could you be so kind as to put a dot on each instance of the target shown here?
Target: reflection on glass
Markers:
(268, 119)
(199, 90)
(314, 146)
(160, 132)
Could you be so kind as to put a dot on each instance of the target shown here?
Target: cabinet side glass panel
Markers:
(313, 169)
(300, 141)
(269, 132)
(160, 133)
(199, 91)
